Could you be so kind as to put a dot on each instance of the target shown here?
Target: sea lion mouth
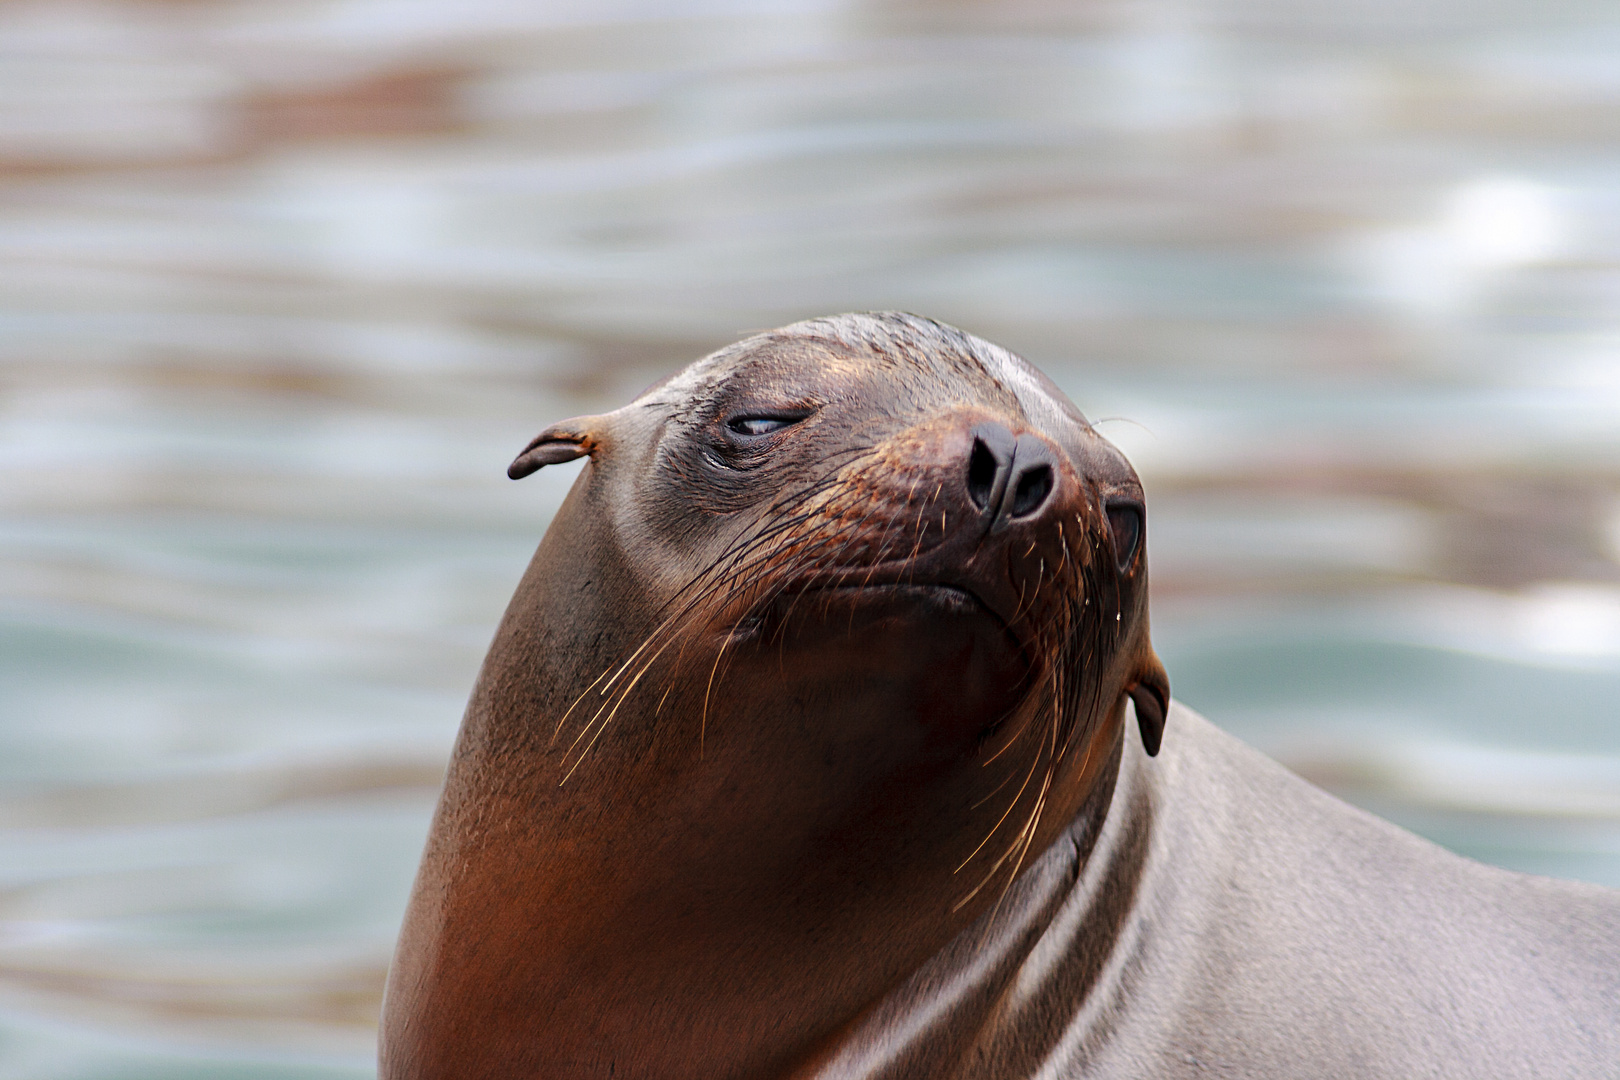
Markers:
(857, 601)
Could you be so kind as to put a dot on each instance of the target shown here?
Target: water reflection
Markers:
(287, 284)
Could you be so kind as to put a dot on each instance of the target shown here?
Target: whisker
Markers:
(1003, 817)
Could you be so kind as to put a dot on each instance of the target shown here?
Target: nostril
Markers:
(981, 474)
(1033, 488)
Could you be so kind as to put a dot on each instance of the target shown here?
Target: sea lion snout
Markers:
(1008, 476)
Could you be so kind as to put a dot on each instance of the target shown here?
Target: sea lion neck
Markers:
(972, 1010)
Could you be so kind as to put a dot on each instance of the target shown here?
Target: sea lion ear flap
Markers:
(560, 442)
(1151, 696)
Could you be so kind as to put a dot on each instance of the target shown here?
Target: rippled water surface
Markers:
(284, 286)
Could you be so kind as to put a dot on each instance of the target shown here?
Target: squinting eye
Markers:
(761, 425)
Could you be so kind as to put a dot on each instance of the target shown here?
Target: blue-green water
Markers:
(285, 286)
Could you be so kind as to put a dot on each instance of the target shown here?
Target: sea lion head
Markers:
(833, 633)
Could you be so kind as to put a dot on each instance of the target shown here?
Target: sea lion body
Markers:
(801, 751)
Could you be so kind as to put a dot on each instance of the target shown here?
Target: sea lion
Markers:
(801, 752)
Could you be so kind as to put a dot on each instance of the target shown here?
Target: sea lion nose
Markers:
(1008, 476)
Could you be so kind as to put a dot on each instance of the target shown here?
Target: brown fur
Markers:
(771, 720)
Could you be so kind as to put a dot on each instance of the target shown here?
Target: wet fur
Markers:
(598, 848)
(872, 510)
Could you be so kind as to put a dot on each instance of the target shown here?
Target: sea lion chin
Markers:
(832, 636)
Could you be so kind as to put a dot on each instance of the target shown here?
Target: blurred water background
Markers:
(286, 284)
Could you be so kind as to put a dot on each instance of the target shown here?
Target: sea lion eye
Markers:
(761, 425)
(1125, 527)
